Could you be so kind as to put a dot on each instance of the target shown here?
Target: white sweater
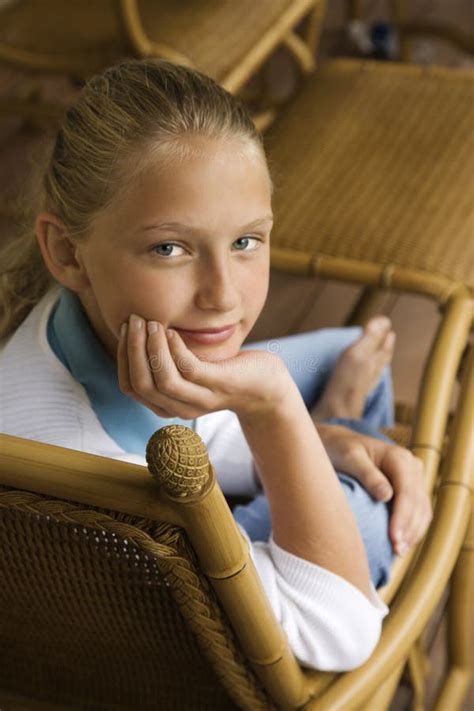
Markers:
(330, 624)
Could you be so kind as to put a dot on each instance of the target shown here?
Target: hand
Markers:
(387, 471)
(157, 369)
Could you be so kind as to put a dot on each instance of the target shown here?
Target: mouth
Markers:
(209, 335)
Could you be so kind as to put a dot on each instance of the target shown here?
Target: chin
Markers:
(215, 353)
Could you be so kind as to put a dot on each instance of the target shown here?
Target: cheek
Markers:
(120, 291)
(256, 288)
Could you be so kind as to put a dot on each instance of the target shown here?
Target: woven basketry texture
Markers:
(228, 30)
(102, 610)
(214, 35)
(375, 162)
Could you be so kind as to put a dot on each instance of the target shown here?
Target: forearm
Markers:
(310, 515)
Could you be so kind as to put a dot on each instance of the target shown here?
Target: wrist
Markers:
(327, 432)
(275, 408)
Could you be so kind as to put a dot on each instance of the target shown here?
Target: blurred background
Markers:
(351, 29)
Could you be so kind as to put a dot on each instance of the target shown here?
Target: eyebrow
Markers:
(179, 226)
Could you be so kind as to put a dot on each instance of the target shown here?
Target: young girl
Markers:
(149, 269)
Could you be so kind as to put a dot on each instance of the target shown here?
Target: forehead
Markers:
(206, 181)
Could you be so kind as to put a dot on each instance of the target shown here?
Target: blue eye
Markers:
(246, 240)
(166, 246)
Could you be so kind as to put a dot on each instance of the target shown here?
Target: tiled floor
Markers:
(308, 304)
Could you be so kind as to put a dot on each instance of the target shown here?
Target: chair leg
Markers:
(370, 302)
(417, 666)
(353, 10)
(380, 700)
(460, 624)
(314, 26)
(398, 12)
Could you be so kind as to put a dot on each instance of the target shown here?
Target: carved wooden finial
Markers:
(177, 458)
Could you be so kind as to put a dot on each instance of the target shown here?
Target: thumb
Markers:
(369, 475)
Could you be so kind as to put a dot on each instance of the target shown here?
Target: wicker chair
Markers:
(226, 40)
(376, 163)
(117, 593)
(103, 609)
(328, 225)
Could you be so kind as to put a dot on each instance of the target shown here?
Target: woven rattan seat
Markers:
(377, 165)
(111, 572)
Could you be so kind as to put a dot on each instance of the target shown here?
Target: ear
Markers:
(60, 253)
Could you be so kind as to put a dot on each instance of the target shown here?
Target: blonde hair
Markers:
(122, 120)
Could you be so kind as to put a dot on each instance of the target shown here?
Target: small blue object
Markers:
(384, 40)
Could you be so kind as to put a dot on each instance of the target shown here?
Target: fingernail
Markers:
(383, 492)
(169, 333)
(380, 323)
(136, 323)
(123, 330)
(152, 327)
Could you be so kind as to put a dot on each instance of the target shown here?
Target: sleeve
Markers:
(329, 623)
(229, 452)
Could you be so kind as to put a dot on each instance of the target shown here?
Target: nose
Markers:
(217, 287)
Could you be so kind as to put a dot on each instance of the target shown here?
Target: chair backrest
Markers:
(107, 606)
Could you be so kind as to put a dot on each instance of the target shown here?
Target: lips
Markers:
(206, 330)
(215, 335)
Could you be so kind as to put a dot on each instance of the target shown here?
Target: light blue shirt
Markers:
(74, 342)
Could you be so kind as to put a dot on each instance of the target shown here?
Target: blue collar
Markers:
(74, 342)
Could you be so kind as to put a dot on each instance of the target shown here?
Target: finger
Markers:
(124, 374)
(140, 375)
(389, 342)
(425, 520)
(142, 378)
(422, 512)
(410, 501)
(208, 374)
(169, 365)
(197, 371)
(369, 475)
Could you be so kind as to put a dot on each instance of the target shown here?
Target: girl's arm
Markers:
(311, 518)
(310, 515)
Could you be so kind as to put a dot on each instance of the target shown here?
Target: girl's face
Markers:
(187, 246)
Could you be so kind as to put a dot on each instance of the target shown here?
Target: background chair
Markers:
(226, 40)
